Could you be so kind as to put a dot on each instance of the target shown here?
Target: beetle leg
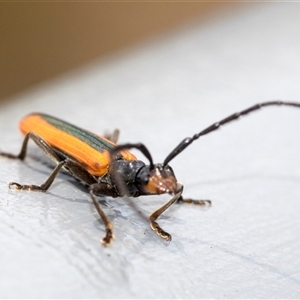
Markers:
(153, 217)
(205, 203)
(102, 189)
(39, 142)
(73, 167)
(43, 187)
(113, 137)
(49, 152)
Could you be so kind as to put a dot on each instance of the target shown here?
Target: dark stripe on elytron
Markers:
(63, 155)
(85, 136)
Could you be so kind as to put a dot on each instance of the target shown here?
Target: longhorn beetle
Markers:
(109, 169)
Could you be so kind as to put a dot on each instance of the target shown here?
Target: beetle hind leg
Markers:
(48, 150)
(114, 136)
(43, 187)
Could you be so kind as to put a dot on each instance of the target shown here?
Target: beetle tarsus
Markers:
(15, 185)
(9, 155)
(109, 237)
(205, 203)
(25, 187)
(165, 235)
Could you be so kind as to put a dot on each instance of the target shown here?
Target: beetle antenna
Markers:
(138, 146)
(187, 141)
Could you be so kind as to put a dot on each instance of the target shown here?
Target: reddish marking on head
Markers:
(160, 183)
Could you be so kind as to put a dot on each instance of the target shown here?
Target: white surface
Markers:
(245, 246)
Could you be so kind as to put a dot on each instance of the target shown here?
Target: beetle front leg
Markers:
(153, 217)
(102, 189)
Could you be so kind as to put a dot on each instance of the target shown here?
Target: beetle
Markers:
(109, 169)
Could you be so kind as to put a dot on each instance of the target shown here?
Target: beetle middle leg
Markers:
(204, 203)
(102, 189)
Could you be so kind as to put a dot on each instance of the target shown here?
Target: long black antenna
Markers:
(138, 146)
(187, 141)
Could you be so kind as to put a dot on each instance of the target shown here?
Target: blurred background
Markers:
(42, 40)
(159, 72)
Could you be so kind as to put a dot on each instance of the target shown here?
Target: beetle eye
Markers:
(145, 178)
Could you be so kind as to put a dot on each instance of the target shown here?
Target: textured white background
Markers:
(245, 246)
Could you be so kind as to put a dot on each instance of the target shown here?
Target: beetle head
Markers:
(158, 179)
